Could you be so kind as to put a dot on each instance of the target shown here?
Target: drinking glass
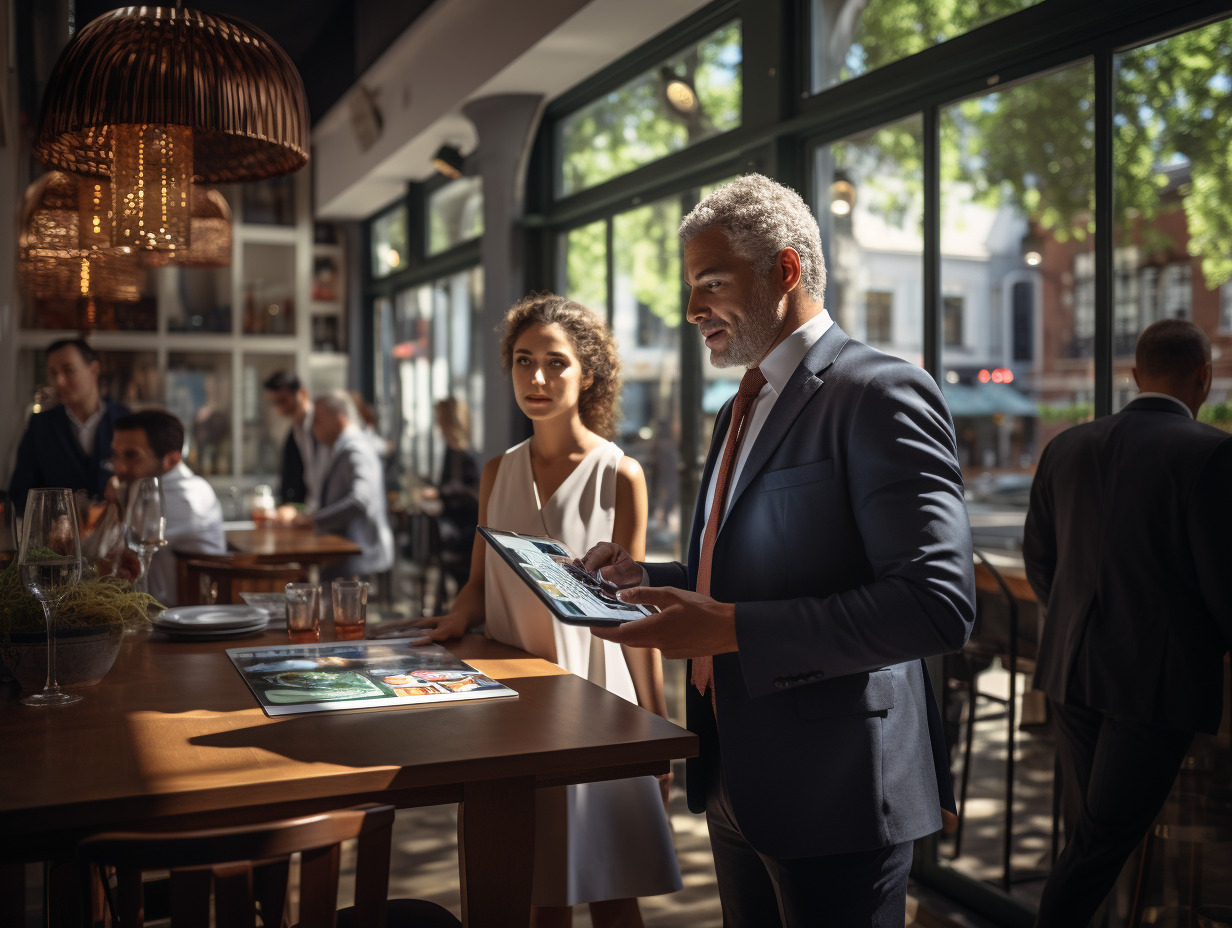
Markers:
(303, 612)
(350, 608)
(50, 563)
(147, 523)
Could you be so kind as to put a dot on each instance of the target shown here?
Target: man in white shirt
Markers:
(150, 444)
(302, 454)
(68, 445)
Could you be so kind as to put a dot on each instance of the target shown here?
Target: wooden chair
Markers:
(245, 870)
(207, 579)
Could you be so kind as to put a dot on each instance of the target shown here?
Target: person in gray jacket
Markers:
(352, 495)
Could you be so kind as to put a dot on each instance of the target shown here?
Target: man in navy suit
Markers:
(1127, 545)
(830, 552)
(69, 445)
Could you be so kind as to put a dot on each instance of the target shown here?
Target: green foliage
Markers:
(633, 125)
(94, 602)
(1217, 414)
(1072, 414)
(1032, 146)
(648, 256)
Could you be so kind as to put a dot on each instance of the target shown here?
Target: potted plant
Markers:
(90, 625)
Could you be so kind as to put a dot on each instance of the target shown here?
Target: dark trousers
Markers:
(866, 889)
(1116, 775)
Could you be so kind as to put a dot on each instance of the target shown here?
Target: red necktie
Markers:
(750, 386)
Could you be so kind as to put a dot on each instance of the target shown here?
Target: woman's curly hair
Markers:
(599, 404)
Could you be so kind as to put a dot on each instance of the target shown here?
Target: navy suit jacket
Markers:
(49, 455)
(1127, 542)
(847, 551)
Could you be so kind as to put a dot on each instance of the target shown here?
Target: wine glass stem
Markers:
(145, 555)
(51, 686)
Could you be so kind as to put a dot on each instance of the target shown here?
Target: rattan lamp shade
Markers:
(51, 264)
(224, 80)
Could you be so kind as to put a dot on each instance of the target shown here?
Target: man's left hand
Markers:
(686, 625)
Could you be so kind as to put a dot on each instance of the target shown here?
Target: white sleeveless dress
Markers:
(593, 841)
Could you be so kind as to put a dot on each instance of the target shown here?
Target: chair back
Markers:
(245, 869)
(204, 580)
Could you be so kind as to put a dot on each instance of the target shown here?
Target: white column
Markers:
(506, 126)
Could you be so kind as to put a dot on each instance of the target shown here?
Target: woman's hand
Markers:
(443, 627)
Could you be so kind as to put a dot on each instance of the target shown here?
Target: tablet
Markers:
(572, 595)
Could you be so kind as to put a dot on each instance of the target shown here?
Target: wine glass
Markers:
(147, 523)
(50, 563)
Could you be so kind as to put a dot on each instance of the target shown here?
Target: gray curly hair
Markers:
(760, 218)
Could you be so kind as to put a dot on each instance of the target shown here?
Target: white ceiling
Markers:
(460, 50)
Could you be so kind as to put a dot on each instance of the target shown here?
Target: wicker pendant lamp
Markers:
(152, 98)
(51, 263)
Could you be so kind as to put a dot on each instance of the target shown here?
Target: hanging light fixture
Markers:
(52, 263)
(151, 98)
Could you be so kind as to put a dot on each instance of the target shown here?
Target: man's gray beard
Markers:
(748, 346)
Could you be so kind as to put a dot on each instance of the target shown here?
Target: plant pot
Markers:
(83, 656)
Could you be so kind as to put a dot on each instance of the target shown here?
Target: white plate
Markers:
(211, 618)
(183, 634)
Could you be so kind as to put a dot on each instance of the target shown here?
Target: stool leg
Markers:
(1144, 874)
(972, 695)
(1194, 850)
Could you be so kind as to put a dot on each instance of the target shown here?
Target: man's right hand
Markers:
(615, 563)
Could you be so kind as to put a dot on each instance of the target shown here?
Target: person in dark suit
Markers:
(1127, 547)
(830, 552)
(352, 501)
(69, 445)
(300, 452)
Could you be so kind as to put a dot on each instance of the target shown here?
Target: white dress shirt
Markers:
(1165, 396)
(87, 431)
(777, 368)
(194, 525)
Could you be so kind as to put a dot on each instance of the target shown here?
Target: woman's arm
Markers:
(629, 531)
(468, 606)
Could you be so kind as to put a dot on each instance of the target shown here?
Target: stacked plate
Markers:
(195, 623)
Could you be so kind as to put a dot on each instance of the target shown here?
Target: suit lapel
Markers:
(800, 388)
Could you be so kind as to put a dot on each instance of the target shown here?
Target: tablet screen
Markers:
(570, 593)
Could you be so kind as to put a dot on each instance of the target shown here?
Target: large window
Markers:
(683, 99)
(848, 41)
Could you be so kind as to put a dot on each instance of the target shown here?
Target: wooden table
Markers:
(172, 738)
(281, 543)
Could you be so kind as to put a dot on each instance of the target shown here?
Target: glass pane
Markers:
(388, 242)
(1174, 241)
(269, 289)
(646, 321)
(268, 202)
(846, 46)
(1018, 316)
(455, 214)
(870, 213)
(584, 256)
(411, 381)
(691, 96)
(195, 299)
(264, 431)
(199, 392)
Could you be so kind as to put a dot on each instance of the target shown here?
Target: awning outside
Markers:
(979, 400)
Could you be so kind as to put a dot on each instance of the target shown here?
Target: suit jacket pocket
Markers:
(794, 476)
(851, 694)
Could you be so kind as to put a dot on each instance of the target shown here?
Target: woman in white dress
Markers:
(599, 843)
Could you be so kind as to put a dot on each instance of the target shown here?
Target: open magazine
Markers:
(573, 596)
(318, 677)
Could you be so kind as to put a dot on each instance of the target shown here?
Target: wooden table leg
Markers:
(496, 852)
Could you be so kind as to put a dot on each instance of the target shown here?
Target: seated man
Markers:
(150, 443)
(352, 497)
